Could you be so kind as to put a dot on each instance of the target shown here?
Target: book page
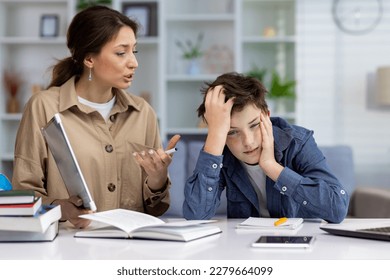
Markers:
(125, 220)
(179, 232)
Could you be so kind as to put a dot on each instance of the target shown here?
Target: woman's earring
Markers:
(90, 74)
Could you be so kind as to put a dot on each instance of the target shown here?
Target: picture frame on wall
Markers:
(49, 25)
(145, 14)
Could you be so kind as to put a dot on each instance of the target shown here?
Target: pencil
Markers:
(280, 221)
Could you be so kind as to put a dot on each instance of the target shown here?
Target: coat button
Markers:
(342, 192)
(209, 189)
(284, 188)
(304, 202)
(112, 118)
(111, 187)
(109, 148)
(214, 165)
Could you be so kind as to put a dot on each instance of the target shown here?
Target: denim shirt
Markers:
(306, 188)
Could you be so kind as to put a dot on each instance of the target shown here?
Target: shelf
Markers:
(32, 40)
(261, 39)
(190, 78)
(184, 131)
(7, 157)
(11, 117)
(17, 2)
(200, 17)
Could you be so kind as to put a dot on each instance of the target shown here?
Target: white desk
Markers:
(232, 244)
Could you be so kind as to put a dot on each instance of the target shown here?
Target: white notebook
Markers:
(268, 224)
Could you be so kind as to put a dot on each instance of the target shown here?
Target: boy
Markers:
(268, 167)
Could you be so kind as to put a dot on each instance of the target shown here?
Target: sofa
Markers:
(366, 202)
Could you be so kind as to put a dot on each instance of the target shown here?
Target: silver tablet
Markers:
(59, 145)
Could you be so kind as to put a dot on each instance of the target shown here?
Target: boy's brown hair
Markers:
(245, 90)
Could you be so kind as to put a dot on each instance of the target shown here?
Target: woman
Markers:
(115, 135)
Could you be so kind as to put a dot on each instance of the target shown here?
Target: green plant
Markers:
(279, 88)
(82, 4)
(191, 50)
(257, 73)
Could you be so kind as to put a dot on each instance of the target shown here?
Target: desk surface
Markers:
(231, 244)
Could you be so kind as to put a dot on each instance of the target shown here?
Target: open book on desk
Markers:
(123, 223)
(268, 224)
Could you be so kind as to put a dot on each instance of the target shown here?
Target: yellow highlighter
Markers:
(280, 221)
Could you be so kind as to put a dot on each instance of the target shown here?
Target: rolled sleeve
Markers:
(156, 202)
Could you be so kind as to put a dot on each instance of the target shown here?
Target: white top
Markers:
(103, 108)
(257, 178)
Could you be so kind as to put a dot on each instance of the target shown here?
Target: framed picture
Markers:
(49, 26)
(145, 14)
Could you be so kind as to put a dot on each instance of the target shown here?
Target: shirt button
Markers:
(214, 165)
(304, 202)
(109, 148)
(111, 187)
(209, 189)
(112, 118)
(342, 192)
(284, 188)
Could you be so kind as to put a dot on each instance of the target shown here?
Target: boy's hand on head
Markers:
(267, 157)
(217, 114)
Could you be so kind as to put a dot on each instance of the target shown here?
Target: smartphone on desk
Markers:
(274, 241)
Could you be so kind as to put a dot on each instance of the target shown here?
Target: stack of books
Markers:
(23, 217)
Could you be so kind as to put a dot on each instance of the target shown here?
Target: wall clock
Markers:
(357, 16)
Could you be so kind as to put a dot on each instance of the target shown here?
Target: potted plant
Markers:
(281, 89)
(257, 73)
(282, 92)
(82, 4)
(191, 51)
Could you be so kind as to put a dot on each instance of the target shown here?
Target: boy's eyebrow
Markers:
(252, 121)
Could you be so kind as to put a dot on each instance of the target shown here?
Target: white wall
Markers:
(336, 73)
